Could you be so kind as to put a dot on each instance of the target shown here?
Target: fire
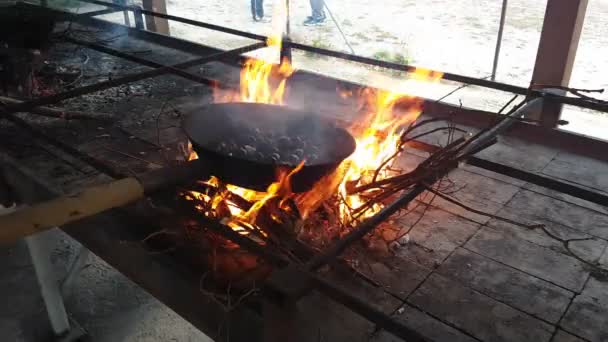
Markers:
(378, 138)
(377, 134)
(262, 81)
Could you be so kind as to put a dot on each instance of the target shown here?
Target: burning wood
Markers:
(330, 205)
(331, 208)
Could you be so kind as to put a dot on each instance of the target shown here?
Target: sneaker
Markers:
(313, 21)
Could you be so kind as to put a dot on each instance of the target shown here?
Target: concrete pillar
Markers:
(156, 24)
(559, 39)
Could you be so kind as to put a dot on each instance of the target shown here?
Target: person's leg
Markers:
(257, 9)
(317, 8)
(260, 8)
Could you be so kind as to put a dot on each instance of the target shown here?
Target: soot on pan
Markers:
(269, 147)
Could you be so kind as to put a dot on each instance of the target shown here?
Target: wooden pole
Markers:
(559, 40)
(97, 199)
(156, 24)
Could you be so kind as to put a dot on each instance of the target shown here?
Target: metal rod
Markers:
(501, 27)
(61, 113)
(536, 179)
(25, 106)
(181, 20)
(88, 159)
(546, 182)
(329, 289)
(370, 313)
(99, 12)
(479, 143)
(285, 53)
(584, 103)
(287, 18)
(142, 61)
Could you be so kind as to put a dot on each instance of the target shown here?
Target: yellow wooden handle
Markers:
(70, 208)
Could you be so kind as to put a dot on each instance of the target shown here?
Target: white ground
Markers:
(453, 36)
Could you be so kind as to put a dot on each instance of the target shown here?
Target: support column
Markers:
(559, 40)
(156, 24)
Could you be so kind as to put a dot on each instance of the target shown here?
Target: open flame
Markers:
(377, 135)
(262, 81)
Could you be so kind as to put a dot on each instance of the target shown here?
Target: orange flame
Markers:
(378, 137)
(262, 81)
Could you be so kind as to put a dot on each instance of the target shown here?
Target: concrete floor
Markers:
(108, 305)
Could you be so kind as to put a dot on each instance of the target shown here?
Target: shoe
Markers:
(313, 21)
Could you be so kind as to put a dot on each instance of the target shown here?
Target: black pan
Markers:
(246, 143)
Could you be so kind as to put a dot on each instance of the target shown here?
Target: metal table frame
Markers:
(153, 281)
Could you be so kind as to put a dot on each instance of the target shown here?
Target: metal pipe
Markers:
(501, 27)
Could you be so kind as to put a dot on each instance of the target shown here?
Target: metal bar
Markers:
(285, 53)
(599, 106)
(549, 183)
(90, 160)
(574, 101)
(142, 61)
(480, 142)
(25, 106)
(363, 229)
(501, 27)
(327, 288)
(534, 178)
(183, 20)
(499, 168)
(99, 12)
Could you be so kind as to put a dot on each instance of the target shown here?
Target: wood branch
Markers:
(60, 113)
